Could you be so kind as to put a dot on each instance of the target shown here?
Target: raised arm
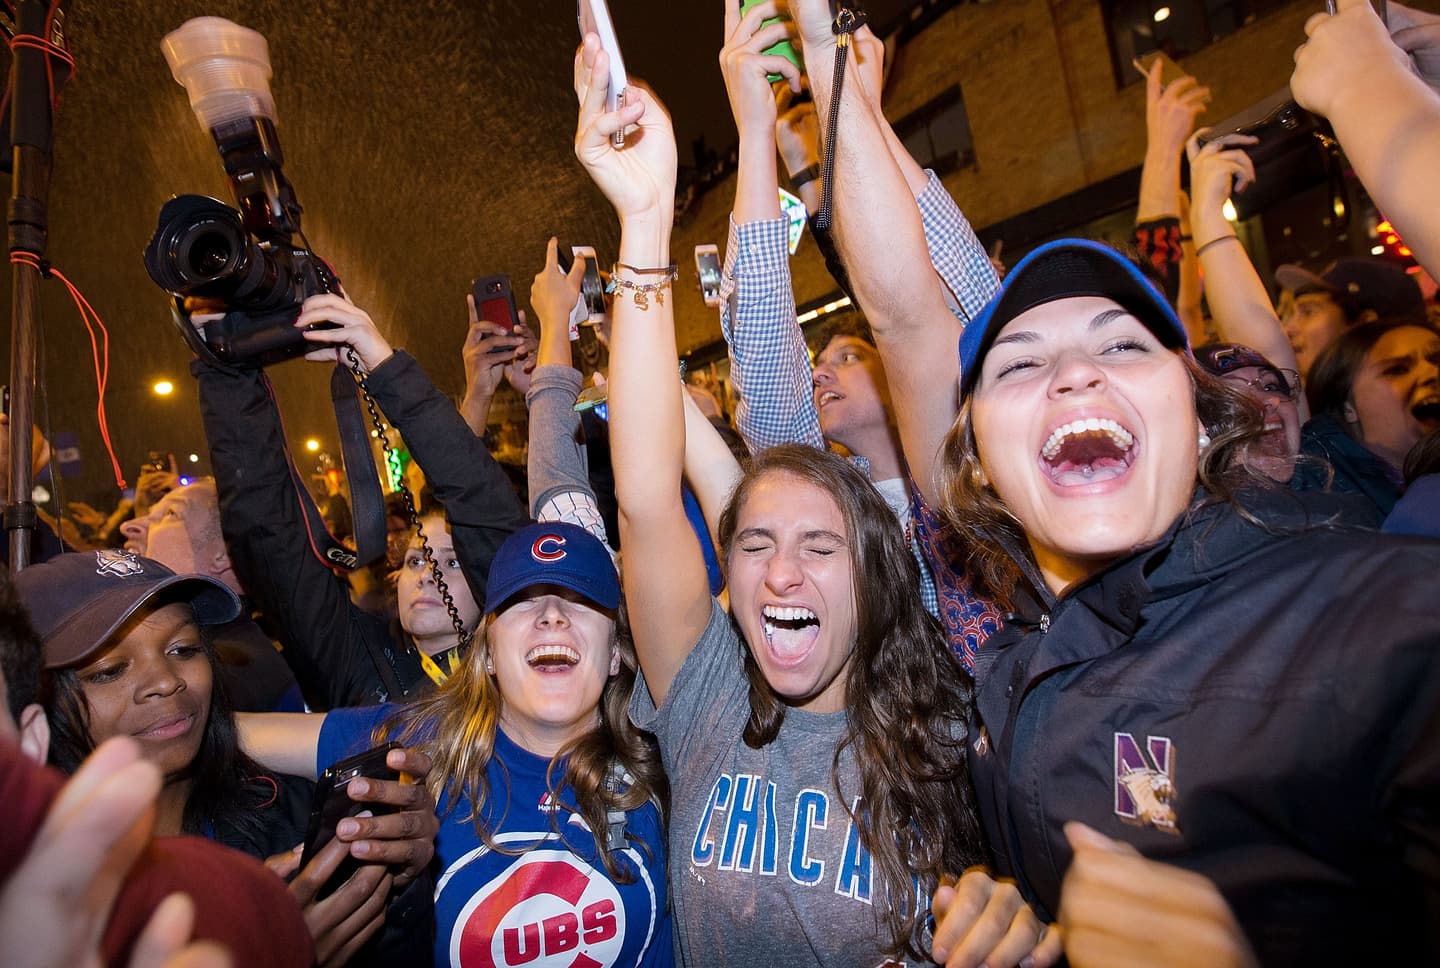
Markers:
(556, 465)
(1239, 301)
(1386, 118)
(327, 641)
(711, 469)
(882, 242)
(479, 502)
(666, 589)
(769, 365)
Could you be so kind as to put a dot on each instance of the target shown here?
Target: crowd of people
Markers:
(1076, 612)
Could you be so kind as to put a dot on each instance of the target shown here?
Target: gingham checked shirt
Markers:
(771, 377)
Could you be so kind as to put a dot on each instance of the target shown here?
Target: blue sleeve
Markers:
(346, 732)
(660, 953)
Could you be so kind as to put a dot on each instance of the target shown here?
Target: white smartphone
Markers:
(594, 16)
(707, 264)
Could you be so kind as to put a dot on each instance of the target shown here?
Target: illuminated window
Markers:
(1177, 27)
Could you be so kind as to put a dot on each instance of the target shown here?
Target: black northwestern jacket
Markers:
(342, 655)
(1263, 709)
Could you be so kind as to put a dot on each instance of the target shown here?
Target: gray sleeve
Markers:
(556, 461)
(708, 701)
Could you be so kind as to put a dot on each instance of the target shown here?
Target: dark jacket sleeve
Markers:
(336, 650)
(481, 506)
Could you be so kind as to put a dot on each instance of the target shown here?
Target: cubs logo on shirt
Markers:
(547, 908)
(547, 548)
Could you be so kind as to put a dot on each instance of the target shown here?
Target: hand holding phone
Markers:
(783, 49)
(707, 265)
(332, 803)
(594, 17)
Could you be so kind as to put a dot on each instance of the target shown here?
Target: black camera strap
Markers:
(367, 500)
(848, 19)
(356, 378)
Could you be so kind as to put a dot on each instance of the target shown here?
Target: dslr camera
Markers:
(251, 266)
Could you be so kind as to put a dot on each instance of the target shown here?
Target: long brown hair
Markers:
(456, 726)
(990, 536)
(907, 700)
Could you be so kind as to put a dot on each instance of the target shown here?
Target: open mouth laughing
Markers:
(552, 658)
(790, 631)
(1087, 451)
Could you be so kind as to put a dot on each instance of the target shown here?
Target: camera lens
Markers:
(201, 248)
(209, 254)
(492, 287)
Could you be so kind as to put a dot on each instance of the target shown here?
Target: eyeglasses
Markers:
(1268, 386)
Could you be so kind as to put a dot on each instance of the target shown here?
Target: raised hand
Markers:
(553, 296)
(352, 326)
(1346, 53)
(1217, 169)
(639, 178)
(1171, 109)
(747, 68)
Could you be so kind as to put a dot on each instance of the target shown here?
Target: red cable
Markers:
(99, 349)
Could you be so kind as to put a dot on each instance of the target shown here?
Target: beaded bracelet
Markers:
(642, 291)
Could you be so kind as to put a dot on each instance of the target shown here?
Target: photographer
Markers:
(343, 656)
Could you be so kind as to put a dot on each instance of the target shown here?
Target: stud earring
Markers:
(489, 667)
(1204, 441)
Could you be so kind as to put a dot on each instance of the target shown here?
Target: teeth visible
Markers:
(551, 653)
(1122, 437)
(789, 613)
(827, 396)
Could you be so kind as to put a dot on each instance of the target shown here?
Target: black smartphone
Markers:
(332, 804)
(155, 461)
(495, 303)
(564, 257)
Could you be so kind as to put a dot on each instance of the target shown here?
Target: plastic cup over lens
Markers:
(224, 67)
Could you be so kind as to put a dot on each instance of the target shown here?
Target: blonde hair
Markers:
(456, 727)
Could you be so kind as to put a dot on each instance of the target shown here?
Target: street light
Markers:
(163, 388)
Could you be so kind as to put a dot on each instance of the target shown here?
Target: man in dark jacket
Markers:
(342, 655)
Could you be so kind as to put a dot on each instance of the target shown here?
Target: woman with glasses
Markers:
(1275, 390)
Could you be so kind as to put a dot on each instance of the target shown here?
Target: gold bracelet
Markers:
(1224, 238)
(641, 291)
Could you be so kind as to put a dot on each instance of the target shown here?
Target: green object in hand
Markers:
(783, 49)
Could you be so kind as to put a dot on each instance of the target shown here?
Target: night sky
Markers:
(429, 142)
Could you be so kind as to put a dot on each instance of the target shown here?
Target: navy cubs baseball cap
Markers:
(77, 601)
(1059, 270)
(1221, 358)
(553, 553)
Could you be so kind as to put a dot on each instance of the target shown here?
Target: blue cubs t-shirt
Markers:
(552, 905)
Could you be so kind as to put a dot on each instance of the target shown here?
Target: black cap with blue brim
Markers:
(1060, 270)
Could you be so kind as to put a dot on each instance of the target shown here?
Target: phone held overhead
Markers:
(594, 16)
